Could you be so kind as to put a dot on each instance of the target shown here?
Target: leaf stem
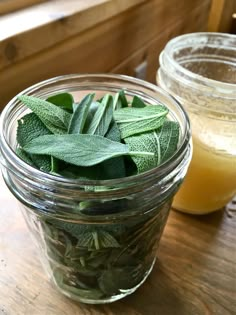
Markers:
(96, 242)
(142, 118)
(140, 153)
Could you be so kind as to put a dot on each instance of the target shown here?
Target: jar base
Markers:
(195, 212)
(111, 299)
(231, 206)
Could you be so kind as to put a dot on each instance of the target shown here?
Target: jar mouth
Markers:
(195, 41)
(11, 161)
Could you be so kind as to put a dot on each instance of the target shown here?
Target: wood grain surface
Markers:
(195, 273)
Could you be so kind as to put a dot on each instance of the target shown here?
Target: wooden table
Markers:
(195, 273)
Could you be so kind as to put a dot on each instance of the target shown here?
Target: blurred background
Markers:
(40, 39)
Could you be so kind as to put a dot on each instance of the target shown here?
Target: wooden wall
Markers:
(115, 45)
(221, 16)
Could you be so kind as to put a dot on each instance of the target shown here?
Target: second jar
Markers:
(200, 71)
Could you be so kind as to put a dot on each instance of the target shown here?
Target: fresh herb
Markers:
(161, 142)
(137, 102)
(63, 100)
(30, 127)
(102, 117)
(133, 120)
(52, 116)
(98, 133)
(75, 149)
(80, 114)
(112, 137)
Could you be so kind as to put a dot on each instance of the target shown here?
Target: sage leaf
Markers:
(132, 114)
(113, 132)
(169, 139)
(42, 162)
(89, 236)
(79, 149)
(75, 230)
(117, 101)
(80, 114)
(102, 117)
(115, 279)
(97, 240)
(53, 117)
(84, 173)
(30, 127)
(137, 102)
(143, 142)
(114, 168)
(92, 110)
(123, 100)
(60, 279)
(63, 100)
(133, 120)
(162, 142)
(24, 156)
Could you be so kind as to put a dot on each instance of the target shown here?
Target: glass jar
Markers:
(199, 70)
(96, 239)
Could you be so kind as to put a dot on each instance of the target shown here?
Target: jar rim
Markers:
(223, 88)
(25, 168)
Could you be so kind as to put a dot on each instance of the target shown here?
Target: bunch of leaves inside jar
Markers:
(100, 261)
(105, 138)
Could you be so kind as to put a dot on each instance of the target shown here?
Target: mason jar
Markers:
(199, 70)
(96, 239)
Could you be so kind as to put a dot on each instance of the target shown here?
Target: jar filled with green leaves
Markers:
(94, 161)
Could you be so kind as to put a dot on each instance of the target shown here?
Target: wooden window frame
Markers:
(7, 6)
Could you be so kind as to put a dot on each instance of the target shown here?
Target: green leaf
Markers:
(88, 236)
(80, 150)
(117, 104)
(24, 156)
(73, 229)
(162, 142)
(63, 100)
(123, 100)
(143, 142)
(169, 139)
(102, 208)
(137, 102)
(114, 168)
(60, 279)
(80, 114)
(102, 117)
(113, 132)
(119, 100)
(97, 240)
(42, 162)
(30, 127)
(113, 280)
(106, 240)
(53, 117)
(84, 173)
(92, 110)
(133, 120)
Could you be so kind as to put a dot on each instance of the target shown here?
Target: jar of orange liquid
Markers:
(199, 70)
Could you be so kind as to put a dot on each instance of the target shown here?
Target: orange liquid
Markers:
(210, 182)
